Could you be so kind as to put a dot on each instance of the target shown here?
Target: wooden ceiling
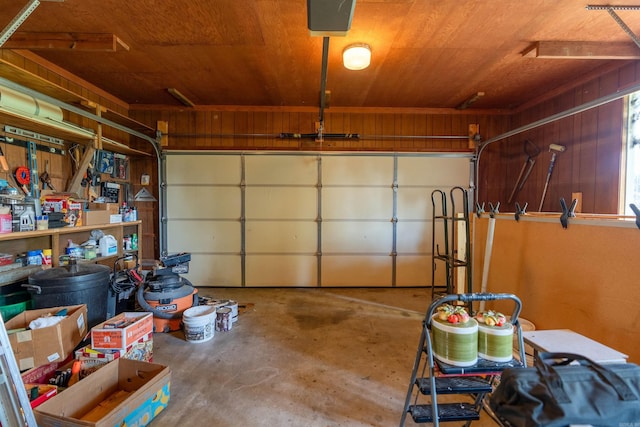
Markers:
(425, 53)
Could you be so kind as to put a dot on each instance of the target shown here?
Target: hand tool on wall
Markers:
(45, 178)
(23, 178)
(554, 149)
(3, 162)
(532, 151)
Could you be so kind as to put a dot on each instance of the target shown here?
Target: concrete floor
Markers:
(298, 357)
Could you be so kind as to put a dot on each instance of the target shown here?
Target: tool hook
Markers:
(479, 209)
(494, 209)
(520, 211)
(567, 212)
(636, 211)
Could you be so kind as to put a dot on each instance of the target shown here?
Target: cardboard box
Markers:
(45, 392)
(46, 345)
(91, 359)
(41, 374)
(97, 217)
(112, 208)
(123, 392)
(110, 335)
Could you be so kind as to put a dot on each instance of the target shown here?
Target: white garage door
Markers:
(306, 219)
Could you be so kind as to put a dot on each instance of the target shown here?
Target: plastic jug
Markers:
(108, 245)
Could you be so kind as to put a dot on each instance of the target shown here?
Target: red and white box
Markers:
(121, 331)
(92, 359)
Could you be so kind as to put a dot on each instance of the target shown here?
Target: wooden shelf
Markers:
(56, 239)
(32, 81)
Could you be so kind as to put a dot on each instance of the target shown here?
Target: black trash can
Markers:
(73, 284)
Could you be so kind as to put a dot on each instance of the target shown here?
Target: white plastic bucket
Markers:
(198, 323)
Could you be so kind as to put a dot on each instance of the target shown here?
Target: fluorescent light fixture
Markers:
(356, 56)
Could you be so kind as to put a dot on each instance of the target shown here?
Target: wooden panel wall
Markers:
(210, 129)
(591, 163)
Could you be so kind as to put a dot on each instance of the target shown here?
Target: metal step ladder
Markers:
(431, 377)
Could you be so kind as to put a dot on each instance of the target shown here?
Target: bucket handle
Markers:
(35, 288)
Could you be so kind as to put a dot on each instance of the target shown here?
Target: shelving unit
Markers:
(453, 259)
(431, 377)
(57, 239)
(13, 74)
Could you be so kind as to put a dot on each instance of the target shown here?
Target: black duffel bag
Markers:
(560, 394)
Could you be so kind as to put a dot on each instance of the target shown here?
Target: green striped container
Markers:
(455, 343)
(495, 343)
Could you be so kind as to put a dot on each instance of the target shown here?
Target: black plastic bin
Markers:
(73, 284)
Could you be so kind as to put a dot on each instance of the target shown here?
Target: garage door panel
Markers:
(355, 270)
(357, 203)
(413, 237)
(204, 236)
(282, 270)
(281, 237)
(357, 170)
(441, 172)
(281, 170)
(357, 237)
(213, 202)
(203, 169)
(414, 203)
(281, 203)
(414, 270)
(215, 270)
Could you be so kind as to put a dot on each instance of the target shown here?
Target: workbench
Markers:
(567, 341)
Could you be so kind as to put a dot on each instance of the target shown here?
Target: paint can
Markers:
(198, 323)
(233, 305)
(223, 319)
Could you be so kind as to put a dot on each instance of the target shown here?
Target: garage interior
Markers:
(311, 193)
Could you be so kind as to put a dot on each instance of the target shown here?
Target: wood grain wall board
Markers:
(591, 163)
(580, 278)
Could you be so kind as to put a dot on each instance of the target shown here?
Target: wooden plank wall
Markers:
(223, 129)
(591, 163)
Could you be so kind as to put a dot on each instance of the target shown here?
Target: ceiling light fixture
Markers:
(356, 56)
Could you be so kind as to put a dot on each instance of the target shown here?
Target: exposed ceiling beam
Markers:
(97, 42)
(180, 97)
(582, 50)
